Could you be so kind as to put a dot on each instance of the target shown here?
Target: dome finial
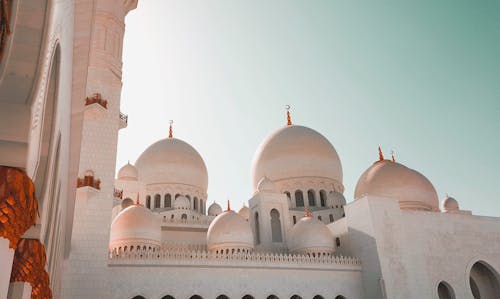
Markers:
(288, 117)
(307, 212)
(228, 205)
(137, 201)
(170, 131)
(392, 155)
(380, 154)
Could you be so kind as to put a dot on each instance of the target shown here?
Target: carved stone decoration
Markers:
(88, 181)
(4, 24)
(29, 266)
(96, 98)
(18, 204)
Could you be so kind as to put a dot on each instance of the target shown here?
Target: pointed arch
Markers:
(299, 198)
(276, 226)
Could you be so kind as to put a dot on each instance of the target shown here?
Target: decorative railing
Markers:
(88, 180)
(96, 98)
(187, 221)
(255, 259)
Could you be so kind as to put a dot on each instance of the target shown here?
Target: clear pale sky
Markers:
(421, 78)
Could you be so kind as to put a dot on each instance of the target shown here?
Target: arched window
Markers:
(177, 195)
(138, 297)
(247, 297)
(340, 297)
(184, 217)
(318, 297)
(276, 226)
(331, 218)
(272, 297)
(167, 200)
(337, 241)
(196, 297)
(295, 297)
(311, 198)
(257, 229)
(484, 281)
(148, 202)
(288, 195)
(222, 297)
(167, 297)
(299, 198)
(294, 219)
(195, 203)
(322, 197)
(157, 201)
(445, 291)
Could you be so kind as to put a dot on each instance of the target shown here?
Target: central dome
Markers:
(172, 161)
(295, 152)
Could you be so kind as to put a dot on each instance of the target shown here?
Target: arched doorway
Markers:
(276, 226)
(318, 297)
(484, 281)
(272, 297)
(295, 297)
(167, 297)
(340, 297)
(222, 297)
(138, 297)
(247, 297)
(196, 297)
(445, 291)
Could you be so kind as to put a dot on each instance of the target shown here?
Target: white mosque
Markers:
(70, 229)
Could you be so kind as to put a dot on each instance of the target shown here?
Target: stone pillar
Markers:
(6, 259)
(19, 290)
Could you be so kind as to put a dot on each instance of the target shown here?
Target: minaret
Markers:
(87, 265)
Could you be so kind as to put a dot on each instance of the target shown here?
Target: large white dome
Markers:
(230, 231)
(172, 160)
(393, 180)
(295, 152)
(310, 236)
(134, 226)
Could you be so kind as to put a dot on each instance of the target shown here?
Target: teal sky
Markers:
(421, 78)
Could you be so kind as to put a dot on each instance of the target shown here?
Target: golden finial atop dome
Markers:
(288, 117)
(380, 154)
(307, 212)
(170, 131)
(392, 156)
(228, 205)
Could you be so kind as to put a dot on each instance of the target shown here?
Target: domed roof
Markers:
(266, 185)
(296, 151)
(244, 212)
(310, 235)
(393, 180)
(127, 202)
(182, 203)
(128, 173)
(172, 160)
(135, 225)
(449, 204)
(214, 209)
(229, 230)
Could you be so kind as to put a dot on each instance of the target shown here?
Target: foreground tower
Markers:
(102, 120)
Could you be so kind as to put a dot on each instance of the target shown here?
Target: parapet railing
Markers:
(180, 257)
(187, 221)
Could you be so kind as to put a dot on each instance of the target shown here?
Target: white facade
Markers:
(60, 85)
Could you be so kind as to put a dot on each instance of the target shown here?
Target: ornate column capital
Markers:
(29, 266)
(18, 204)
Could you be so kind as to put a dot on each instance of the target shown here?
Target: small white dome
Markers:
(214, 209)
(128, 173)
(310, 236)
(296, 152)
(172, 161)
(127, 202)
(182, 203)
(244, 212)
(393, 180)
(230, 232)
(134, 226)
(266, 185)
(449, 204)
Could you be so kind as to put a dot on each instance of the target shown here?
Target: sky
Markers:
(421, 78)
